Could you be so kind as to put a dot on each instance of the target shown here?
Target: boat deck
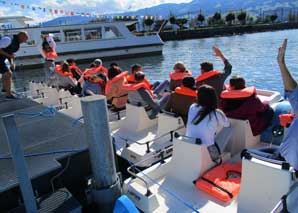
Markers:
(38, 135)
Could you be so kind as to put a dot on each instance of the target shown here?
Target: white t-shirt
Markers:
(206, 129)
(5, 42)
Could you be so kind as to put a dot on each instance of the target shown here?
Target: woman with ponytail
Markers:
(204, 118)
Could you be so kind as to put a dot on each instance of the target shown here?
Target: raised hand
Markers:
(217, 53)
(282, 52)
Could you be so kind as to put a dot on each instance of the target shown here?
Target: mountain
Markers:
(282, 7)
(210, 6)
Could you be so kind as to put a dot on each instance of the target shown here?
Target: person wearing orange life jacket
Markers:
(213, 77)
(183, 97)
(241, 102)
(48, 51)
(177, 75)
(131, 78)
(65, 78)
(140, 94)
(116, 96)
(75, 70)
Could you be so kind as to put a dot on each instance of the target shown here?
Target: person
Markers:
(75, 70)
(176, 77)
(65, 78)
(8, 47)
(94, 84)
(114, 93)
(289, 145)
(140, 94)
(131, 78)
(213, 77)
(159, 89)
(48, 52)
(204, 118)
(99, 66)
(241, 102)
(183, 97)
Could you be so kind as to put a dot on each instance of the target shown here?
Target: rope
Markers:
(48, 112)
(173, 194)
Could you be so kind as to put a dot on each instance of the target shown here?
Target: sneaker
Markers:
(12, 97)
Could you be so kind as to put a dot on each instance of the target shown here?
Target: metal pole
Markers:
(19, 163)
(107, 185)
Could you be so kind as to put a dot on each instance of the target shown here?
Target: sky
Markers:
(13, 7)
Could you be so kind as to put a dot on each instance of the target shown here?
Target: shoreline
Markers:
(208, 32)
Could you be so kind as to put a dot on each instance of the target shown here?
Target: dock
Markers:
(49, 141)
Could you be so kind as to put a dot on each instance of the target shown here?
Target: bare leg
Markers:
(7, 80)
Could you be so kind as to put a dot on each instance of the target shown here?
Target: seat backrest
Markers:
(242, 137)
(51, 97)
(136, 119)
(35, 89)
(168, 123)
(189, 160)
(262, 185)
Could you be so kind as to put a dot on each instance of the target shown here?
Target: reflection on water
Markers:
(253, 56)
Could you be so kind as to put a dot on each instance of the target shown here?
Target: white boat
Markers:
(82, 42)
(168, 186)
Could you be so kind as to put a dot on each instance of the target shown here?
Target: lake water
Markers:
(252, 55)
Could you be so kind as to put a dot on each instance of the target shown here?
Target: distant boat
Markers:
(82, 42)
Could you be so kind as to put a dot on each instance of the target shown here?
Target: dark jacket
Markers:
(252, 109)
(180, 104)
(218, 81)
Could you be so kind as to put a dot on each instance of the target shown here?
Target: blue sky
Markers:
(83, 6)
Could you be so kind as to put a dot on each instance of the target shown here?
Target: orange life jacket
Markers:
(136, 87)
(217, 182)
(74, 67)
(207, 75)
(241, 93)
(286, 119)
(58, 70)
(186, 91)
(94, 70)
(131, 79)
(50, 55)
(117, 78)
(179, 75)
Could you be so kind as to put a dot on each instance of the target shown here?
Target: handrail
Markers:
(147, 143)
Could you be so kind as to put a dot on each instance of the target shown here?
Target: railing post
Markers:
(19, 163)
(107, 185)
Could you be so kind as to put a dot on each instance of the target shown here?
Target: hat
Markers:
(189, 82)
(98, 61)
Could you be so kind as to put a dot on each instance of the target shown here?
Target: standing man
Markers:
(8, 47)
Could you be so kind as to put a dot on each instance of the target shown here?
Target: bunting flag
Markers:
(59, 11)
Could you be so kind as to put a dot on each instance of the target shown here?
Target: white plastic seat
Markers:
(242, 137)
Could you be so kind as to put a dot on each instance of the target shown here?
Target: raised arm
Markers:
(228, 66)
(289, 83)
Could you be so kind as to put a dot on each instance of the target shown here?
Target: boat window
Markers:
(94, 33)
(73, 35)
(112, 32)
(56, 35)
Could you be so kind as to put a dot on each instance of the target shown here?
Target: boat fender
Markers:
(234, 94)
(207, 75)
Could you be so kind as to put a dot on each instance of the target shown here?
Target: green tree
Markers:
(148, 22)
(230, 17)
(291, 17)
(242, 17)
(172, 19)
(273, 18)
(217, 17)
(201, 18)
(181, 22)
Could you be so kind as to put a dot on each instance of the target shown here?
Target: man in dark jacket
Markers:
(247, 106)
(183, 97)
(213, 77)
(8, 47)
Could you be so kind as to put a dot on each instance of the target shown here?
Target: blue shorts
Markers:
(3, 67)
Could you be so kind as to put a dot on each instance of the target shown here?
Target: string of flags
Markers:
(62, 12)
